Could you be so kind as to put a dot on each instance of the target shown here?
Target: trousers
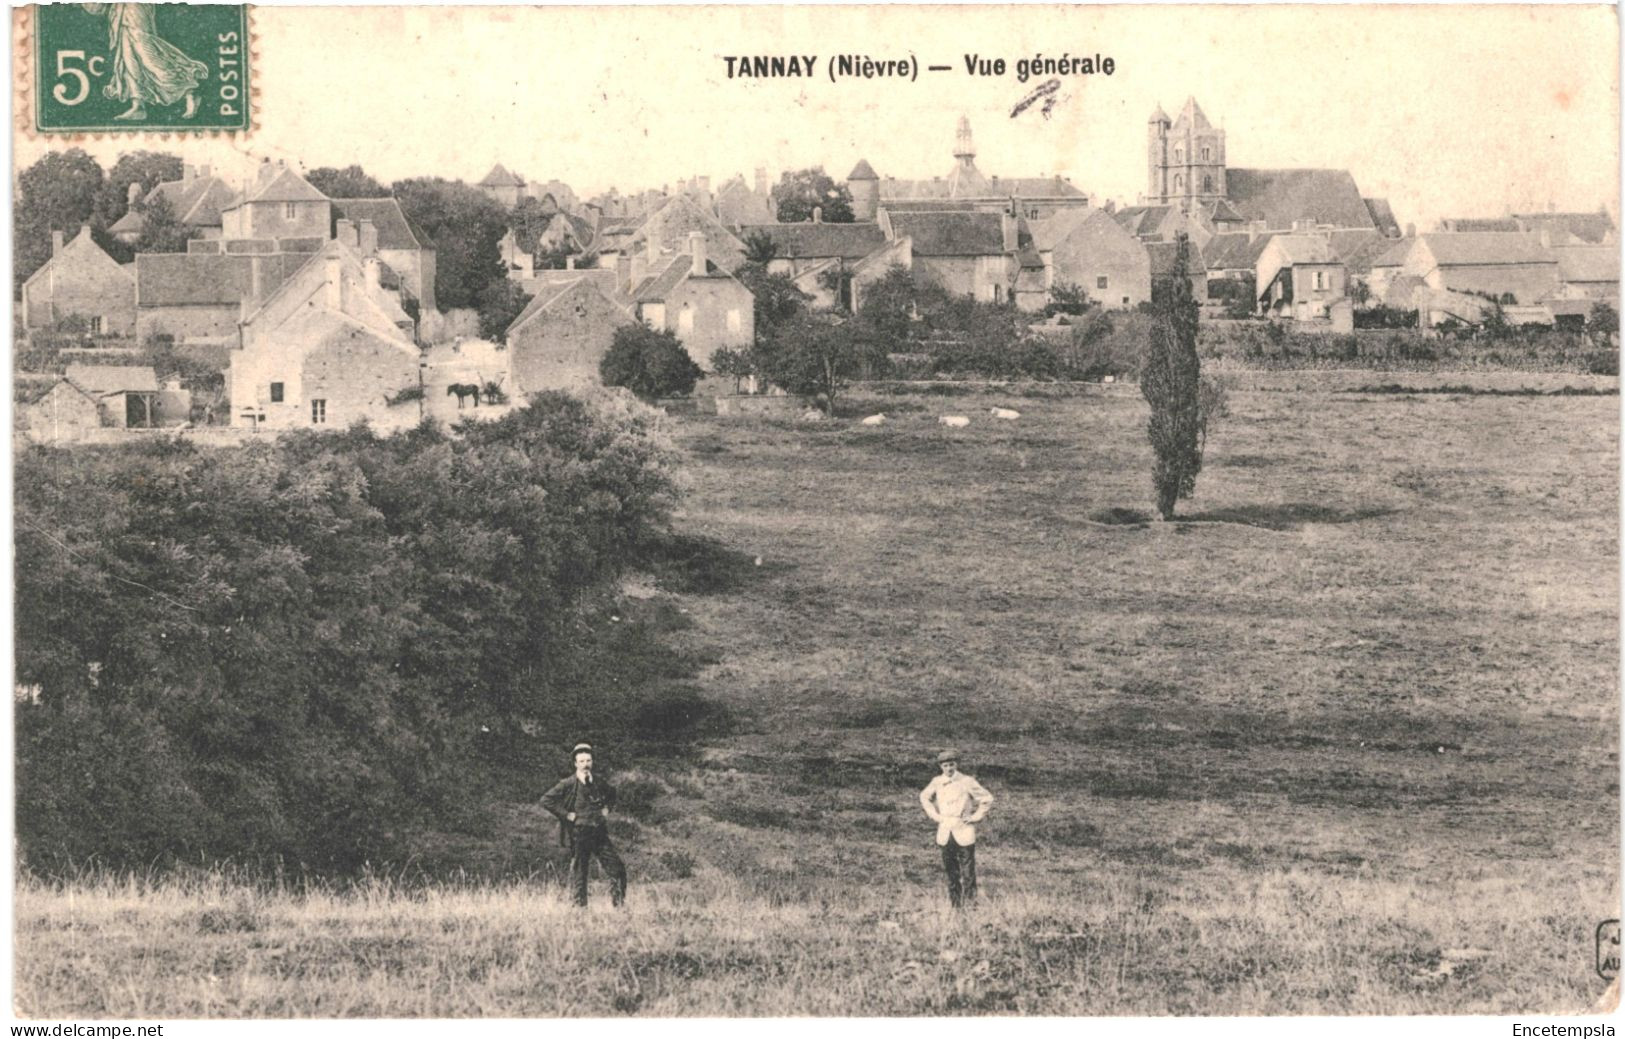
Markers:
(959, 862)
(589, 842)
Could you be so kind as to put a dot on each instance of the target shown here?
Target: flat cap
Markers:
(948, 755)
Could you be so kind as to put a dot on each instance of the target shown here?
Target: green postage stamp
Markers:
(120, 68)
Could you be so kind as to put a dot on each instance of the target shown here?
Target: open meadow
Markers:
(1340, 739)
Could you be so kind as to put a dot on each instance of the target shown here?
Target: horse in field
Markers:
(464, 390)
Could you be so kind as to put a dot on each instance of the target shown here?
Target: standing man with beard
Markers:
(581, 802)
(956, 803)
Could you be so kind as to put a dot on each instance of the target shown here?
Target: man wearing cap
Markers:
(956, 803)
(581, 803)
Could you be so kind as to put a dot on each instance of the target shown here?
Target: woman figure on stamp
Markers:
(146, 68)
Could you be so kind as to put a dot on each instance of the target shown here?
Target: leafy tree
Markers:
(817, 355)
(500, 303)
(528, 221)
(466, 226)
(799, 192)
(1066, 297)
(57, 193)
(737, 364)
(1170, 380)
(649, 363)
(777, 300)
(349, 182)
(148, 169)
(890, 306)
(1603, 318)
(161, 230)
(760, 248)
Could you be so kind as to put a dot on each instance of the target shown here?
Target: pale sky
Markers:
(1444, 111)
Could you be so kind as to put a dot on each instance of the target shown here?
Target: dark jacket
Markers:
(569, 795)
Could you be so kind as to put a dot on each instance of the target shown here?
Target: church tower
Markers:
(1187, 159)
(964, 147)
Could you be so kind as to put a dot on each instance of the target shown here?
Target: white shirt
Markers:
(958, 803)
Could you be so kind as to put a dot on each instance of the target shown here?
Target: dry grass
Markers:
(1344, 740)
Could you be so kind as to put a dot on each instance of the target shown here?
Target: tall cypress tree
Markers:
(1170, 379)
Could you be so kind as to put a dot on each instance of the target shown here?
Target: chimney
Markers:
(818, 214)
(56, 242)
(623, 270)
(370, 265)
(527, 263)
(265, 173)
(639, 271)
(367, 235)
(569, 263)
(188, 171)
(133, 196)
(203, 171)
(1410, 230)
(345, 232)
(1007, 226)
(761, 180)
(335, 283)
(696, 249)
(1110, 206)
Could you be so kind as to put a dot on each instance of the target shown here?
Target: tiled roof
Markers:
(552, 292)
(1223, 212)
(951, 234)
(1382, 215)
(395, 231)
(1588, 227)
(1587, 263)
(130, 223)
(1138, 220)
(1054, 229)
(286, 186)
(863, 171)
(1395, 254)
(1163, 255)
(1304, 248)
(958, 186)
(1500, 224)
(815, 241)
(207, 279)
(113, 378)
(1191, 116)
(1234, 250)
(1357, 248)
(499, 177)
(1484, 248)
(196, 202)
(1280, 197)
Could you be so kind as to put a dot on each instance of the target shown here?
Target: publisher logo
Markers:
(1608, 950)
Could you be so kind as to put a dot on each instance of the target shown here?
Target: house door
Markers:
(137, 410)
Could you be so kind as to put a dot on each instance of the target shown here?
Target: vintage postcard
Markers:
(815, 512)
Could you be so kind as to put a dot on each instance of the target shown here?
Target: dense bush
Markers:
(649, 363)
(291, 649)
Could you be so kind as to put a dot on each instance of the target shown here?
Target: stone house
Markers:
(197, 200)
(395, 239)
(200, 295)
(1087, 248)
(328, 347)
(1300, 277)
(707, 307)
(972, 253)
(504, 187)
(278, 204)
(560, 337)
(670, 228)
(65, 413)
(807, 252)
(80, 279)
(127, 395)
(737, 203)
(1496, 264)
(1589, 272)
(1161, 223)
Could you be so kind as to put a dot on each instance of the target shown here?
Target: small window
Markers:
(95, 326)
(1179, 155)
(1125, 301)
(998, 293)
(276, 393)
(1207, 154)
(1207, 184)
(1320, 280)
(289, 210)
(1102, 282)
(318, 412)
(733, 320)
(1179, 183)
